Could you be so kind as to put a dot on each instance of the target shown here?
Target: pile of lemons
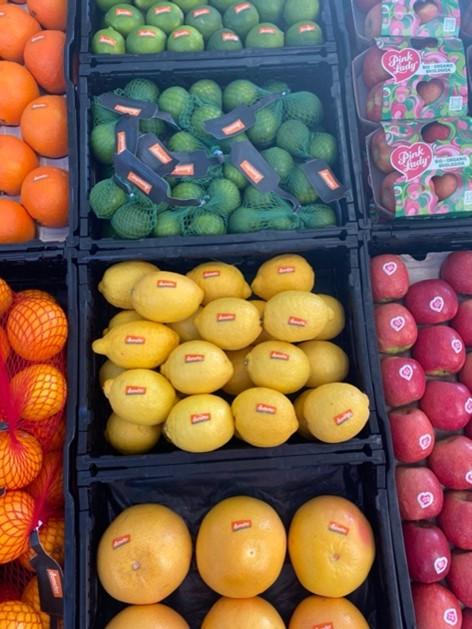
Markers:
(204, 357)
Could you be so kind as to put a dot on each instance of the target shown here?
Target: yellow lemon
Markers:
(230, 323)
(200, 423)
(285, 272)
(316, 611)
(278, 365)
(140, 396)
(186, 329)
(250, 613)
(148, 617)
(336, 412)
(197, 367)
(336, 323)
(124, 316)
(265, 418)
(166, 297)
(118, 281)
(240, 380)
(298, 405)
(137, 345)
(260, 305)
(130, 438)
(108, 371)
(218, 279)
(328, 362)
(295, 316)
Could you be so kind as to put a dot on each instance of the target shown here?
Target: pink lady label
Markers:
(297, 322)
(437, 304)
(199, 418)
(451, 617)
(425, 499)
(244, 6)
(412, 161)
(343, 417)
(222, 317)
(199, 12)
(335, 527)
(166, 284)
(425, 441)
(160, 10)
(397, 323)
(283, 270)
(240, 525)
(468, 477)
(457, 346)
(279, 356)
(401, 64)
(194, 358)
(440, 564)
(406, 372)
(209, 274)
(266, 408)
(389, 268)
(133, 390)
(468, 405)
(134, 340)
(120, 541)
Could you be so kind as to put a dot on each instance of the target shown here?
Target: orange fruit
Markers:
(5, 348)
(16, 161)
(16, 27)
(33, 292)
(51, 536)
(44, 126)
(148, 617)
(331, 546)
(37, 328)
(243, 612)
(17, 89)
(16, 225)
(30, 596)
(44, 58)
(50, 481)
(6, 297)
(16, 521)
(19, 615)
(21, 458)
(316, 611)
(45, 195)
(50, 432)
(49, 13)
(241, 547)
(41, 391)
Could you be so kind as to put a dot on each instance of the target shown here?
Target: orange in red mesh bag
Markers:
(40, 391)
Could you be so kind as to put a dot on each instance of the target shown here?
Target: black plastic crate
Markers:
(337, 270)
(310, 72)
(191, 490)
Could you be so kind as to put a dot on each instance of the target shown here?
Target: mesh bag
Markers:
(294, 137)
(303, 106)
(300, 187)
(101, 114)
(202, 221)
(106, 197)
(246, 219)
(135, 219)
(317, 215)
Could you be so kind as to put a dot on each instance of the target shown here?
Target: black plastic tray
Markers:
(337, 270)
(308, 72)
(284, 482)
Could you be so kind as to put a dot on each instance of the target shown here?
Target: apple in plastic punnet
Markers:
(432, 301)
(427, 552)
(404, 380)
(373, 71)
(445, 185)
(465, 376)
(381, 152)
(387, 192)
(440, 350)
(373, 107)
(430, 91)
(435, 131)
(459, 579)
(420, 496)
(447, 404)
(457, 271)
(389, 277)
(455, 518)
(426, 11)
(462, 322)
(451, 461)
(373, 21)
(413, 435)
(435, 607)
(396, 328)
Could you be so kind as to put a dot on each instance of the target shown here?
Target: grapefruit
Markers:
(250, 613)
(148, 617)
(316, 611)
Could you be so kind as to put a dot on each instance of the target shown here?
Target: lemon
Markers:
(336, 323)
(186, 329)
(166, 297)
(108, 371)
(240, 380)
(118, 281)
(218, 279)
(140, 396)
(278, 365)
(230, 323)
(130, 438)
(263, 417)
(137, 345)
(299, 403)
(260, 305)
(197, 367)
(124, 316)
(200, 423)
(285, 272)
(336, 412)
(328, 362)
(295, 316)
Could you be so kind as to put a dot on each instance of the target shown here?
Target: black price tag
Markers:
(324, 181)
(128, 106)
(239, 120)
(127, 131)
(50, 579)
(156, 155)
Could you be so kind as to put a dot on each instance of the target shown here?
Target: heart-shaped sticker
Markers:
(389, 268)
(425, 499)
(437, 304)
(468, 477)
(456, 345)
(412, 160)
(398, 323)
(468, 405)
(401, 64)
(406, 372)
(440, 564)
(450, 617)
(425, 441)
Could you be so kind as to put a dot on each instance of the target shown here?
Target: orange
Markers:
(44, 126)
(240, 547)
(316, 611)
(51, 536)
(17, 89)
(5, 348)
(49, 13)
(45, 195)
(21, 458)
(16, 27)
(16, 522)
(30, 596)
(18, 615)
(44, 58)
(6, 297)
(33, 292)
(41, 391)
(50, 432)
(331, 546)
(243, 612)
(50, 482)
(37, 328)
(16, 161)
(16, 225)
(148, 617)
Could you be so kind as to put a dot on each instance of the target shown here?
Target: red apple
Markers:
(432, 301)
(465, 375)
(389, 276)
(374, 103)
(439, 350)
(435, 607)
(373, 21)
(466, 619)
(387, 192)
(412, 435)
(430, 90)
(396, 328)
(420, 496)
(447, 404)
(444, 185)
(373, 71)
(404, 381)
(435, 131)
(455, 518)
(459, 579)
(462, 322)
(366, 5)
(427, 552)
(426, 11)
(381, 151)
(457, 271)
(451, 461)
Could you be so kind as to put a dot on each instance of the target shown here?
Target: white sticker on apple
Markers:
(398, 323)
(389, 268)
(440, 564)
(456, 345)
(406, 372)
(468, 405)
(450, 617)
(437, 304)
(425, 441)
(468, 477)
(425, 499)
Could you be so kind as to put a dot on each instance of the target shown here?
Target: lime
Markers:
(167, 224)
(102, 142)
(299, 10)
(165, 15)
(207, 224)
(200, 116)
(142, 89)
(263, 133)
(185, 39)
(293, 136)
(187, 190)
(304, 106)
(133, 221)
(254, 198)
(175, 101)
(102, 114)
(183, 142)
(106, 197)
(245, 219)
(241, 17)
(265, 35)
(240, 92)
(146, 40)
(304, 33)
(233, 174)
(300, 187)
(104, 5)
(317, 215)
(208, 91)
(205, 19)
(124, 18)
(225, 195)
(107, 41)
(280, 160)
(144, 5)
(225, 39)
(278, 87)
(222, 5)
(323, 146)
(188, 5)
(269, 10)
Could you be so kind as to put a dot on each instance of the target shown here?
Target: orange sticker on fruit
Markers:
(284, 269)
(199, 12)
(324, 625)
(135, 340)
(267, 409)
(209, 274)
(297, 322)
(133, 390)
(229, 37)
(244, 6)
(166, 284)
(160, 10)
(199, 418)
(225, 316)
(335, 527)
(343, 417)
(126, 12)
(104, 39)
(240, 525)
(266, 30)
(120, 541)
(279, 356)
(144, 32)
(306, 28)
(194, 358)
(183, 32)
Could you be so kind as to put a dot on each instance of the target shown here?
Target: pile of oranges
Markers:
(32, 87)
